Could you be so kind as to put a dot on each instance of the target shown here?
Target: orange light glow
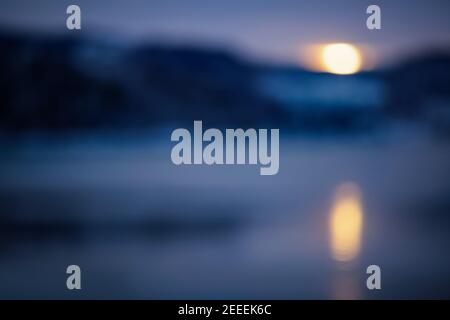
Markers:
(346, 221)
(337, 58)
(341, 58)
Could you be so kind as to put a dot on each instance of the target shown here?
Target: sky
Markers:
(271, 30)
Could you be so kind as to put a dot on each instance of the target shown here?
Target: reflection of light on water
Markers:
(346, 223)
(346, 285)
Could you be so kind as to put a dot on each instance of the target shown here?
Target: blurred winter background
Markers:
(85, 170)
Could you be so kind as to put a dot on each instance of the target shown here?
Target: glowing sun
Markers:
(341, 58)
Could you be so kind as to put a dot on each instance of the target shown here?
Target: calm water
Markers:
(140, 227)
